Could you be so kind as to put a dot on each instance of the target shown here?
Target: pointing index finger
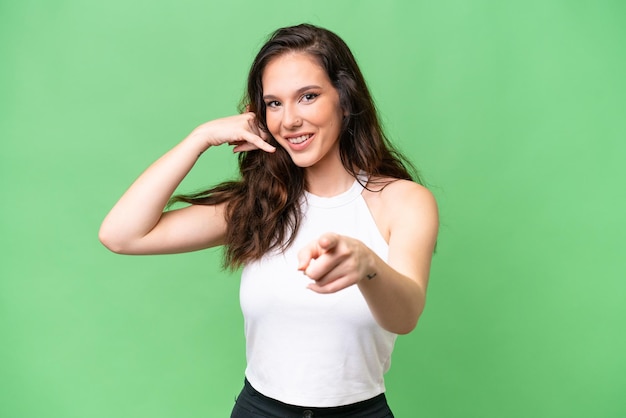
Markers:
(327, 242)
(315, 249)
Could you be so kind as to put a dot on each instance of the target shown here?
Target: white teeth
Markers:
(299, 139)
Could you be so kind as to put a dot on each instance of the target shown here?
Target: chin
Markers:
(302, 163)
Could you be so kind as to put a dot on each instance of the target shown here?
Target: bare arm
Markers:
(137, 223)
(395, 290)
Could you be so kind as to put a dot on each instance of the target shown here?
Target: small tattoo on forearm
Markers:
(371, 276)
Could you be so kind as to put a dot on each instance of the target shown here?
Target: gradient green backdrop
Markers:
(513, 110)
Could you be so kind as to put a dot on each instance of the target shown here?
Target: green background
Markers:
(513, 110)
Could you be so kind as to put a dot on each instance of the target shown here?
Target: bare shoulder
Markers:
(390, 192)
(394, 202)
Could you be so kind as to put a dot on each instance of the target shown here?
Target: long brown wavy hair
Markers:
(262, 207)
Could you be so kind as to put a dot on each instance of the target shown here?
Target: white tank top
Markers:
(310, 349)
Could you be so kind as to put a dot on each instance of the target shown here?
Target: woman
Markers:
(334, 237)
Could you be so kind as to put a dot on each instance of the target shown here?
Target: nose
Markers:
(291, 118)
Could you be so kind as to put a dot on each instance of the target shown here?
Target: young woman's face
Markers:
(302, 109)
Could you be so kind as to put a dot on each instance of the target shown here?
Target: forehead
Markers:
(291, 71)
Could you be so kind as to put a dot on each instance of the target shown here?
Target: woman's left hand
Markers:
(335, 262)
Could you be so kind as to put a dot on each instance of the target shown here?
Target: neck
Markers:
(328, 182)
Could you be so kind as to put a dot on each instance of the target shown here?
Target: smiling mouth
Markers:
(299, 139)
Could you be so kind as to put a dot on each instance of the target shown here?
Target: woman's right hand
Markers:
(242, 131)
(137, 223)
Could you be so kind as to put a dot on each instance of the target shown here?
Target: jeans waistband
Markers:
(255, 402)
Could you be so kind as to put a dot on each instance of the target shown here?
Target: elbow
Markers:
(405, 328)
(401, 327)
(108, 239)
(404, 324)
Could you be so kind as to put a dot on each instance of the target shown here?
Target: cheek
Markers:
(272, 122)
(332, 115)
(333, 119)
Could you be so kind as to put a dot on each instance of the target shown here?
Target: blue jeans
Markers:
(252, 404)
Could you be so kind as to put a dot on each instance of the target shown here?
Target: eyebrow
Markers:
(299, 91)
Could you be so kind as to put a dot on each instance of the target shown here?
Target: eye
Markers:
(272, 103)
(309, 97)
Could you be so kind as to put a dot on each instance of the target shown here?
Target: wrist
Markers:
(196, 142)
(370, 270)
